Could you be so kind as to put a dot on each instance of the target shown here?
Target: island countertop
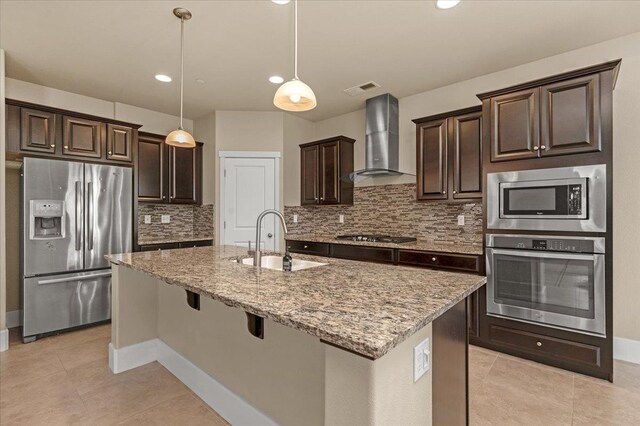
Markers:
(362, 307)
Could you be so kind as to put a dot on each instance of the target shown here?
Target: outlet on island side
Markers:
(421, 359)
(165, 218)
(461, 220)
(147, 218)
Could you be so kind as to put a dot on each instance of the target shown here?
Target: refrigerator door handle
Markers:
(78, 217)
(80, 278)
(90, 216)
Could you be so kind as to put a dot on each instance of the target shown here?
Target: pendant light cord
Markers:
(295, 39)
(181, 67)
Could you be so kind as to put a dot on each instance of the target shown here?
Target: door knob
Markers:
(535, 148)
(269, 235)
(543, 147)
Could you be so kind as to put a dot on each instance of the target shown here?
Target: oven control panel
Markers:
(546, 243)
(574, 202)
(558, 245)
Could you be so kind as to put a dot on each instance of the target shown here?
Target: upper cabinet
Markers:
(325, 166)
(166, 174)
(557, 115)
(449, 155)
(35, 130)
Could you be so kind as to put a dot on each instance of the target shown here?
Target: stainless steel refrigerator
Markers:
(72, 215)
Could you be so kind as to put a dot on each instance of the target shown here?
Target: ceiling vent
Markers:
(361, 88)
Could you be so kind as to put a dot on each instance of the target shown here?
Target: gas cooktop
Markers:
(377, 238)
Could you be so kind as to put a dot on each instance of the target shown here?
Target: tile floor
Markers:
(65, 379)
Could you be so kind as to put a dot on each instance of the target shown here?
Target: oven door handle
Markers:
(546, 254)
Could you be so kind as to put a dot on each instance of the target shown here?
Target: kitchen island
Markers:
(333, 344)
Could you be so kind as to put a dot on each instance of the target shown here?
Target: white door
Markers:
(249, 188)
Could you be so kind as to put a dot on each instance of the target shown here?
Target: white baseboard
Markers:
(626, 350)
(4, 339)
(230, 406)
(14, 318)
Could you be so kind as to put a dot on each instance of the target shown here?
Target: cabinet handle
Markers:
(52, 145)
(543, 147)
(455, 192)
(110, 153)
(444, 192)
(321, 198)
(66, 147)
(306, 247)
(535, 148)
(433, 259)
(538, 344)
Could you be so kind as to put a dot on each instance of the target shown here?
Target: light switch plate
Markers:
(147, 218)
(295, 218)
(461, 219)
(165, 218)
(341, 218)
(421, 359)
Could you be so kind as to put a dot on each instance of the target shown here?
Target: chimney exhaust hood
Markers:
(382, 143)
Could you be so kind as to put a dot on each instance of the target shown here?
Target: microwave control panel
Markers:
(574, 200)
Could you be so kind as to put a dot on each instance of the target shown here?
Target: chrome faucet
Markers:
(257, 255)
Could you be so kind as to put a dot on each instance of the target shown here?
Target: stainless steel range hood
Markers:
(382, 143)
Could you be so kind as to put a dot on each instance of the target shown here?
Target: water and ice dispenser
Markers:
(47, 219)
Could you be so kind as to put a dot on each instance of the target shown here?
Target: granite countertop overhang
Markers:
(421, 245)
(363, 307)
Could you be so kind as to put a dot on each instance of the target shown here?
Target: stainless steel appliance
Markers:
(547, 280)
(558, 199)
(73, 215)
(377, 238)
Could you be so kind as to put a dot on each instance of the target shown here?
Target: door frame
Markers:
(224, 155)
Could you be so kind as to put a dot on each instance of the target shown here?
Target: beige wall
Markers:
(626, 128)
(204, 130)
(3, 238)
(296, 131)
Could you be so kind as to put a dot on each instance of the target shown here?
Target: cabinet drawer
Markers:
(204, 243)
(154, 247)
(306, 247)
(371, 254)
(550, 347)
(459, 262)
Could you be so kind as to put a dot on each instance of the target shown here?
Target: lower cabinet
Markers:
(170, 246)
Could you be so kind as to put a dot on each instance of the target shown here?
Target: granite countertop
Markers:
(363, 307)
(421, 245)
(169, 240)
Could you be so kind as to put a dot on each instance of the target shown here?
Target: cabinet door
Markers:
(152, 170)
(309, 172)
(329, 173)
(466, 151)
(185, 175)
(570, 113)
(432, 160)
(37, 131)
(515, 126)
(119, 142)
(82, 138)
(473, 314)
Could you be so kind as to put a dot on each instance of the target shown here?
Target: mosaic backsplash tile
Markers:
(187, 222)
(391, 210)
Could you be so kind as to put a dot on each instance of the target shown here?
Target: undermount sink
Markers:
(275, 263)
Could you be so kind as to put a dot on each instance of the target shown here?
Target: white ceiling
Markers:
(112, 49)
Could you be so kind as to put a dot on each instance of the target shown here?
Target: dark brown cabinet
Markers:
(176, 245)
(449, 155)
(81, 137)
(325, 167)
(42, 131)
(168, 174)
(515, 125)
(119, 143)
(37, 131)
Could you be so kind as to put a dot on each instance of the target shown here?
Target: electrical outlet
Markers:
(165, 218)
(147, 218)
(461, 220)
(295, 218)
(341, 218)
(421, 359)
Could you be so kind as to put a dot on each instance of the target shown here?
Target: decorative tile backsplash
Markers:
(186, 222)
(391, 210)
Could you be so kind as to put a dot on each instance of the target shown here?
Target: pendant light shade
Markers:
(295, 95)
(180, 137)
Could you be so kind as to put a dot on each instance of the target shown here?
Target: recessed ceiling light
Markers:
(163, 78)
(446, 4)
(276, 79)
(280, 1)
(200, 81)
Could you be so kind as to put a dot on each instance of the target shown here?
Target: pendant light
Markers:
(294, 95)
(180, 137)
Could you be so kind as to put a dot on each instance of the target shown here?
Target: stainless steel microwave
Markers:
(558, 199)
